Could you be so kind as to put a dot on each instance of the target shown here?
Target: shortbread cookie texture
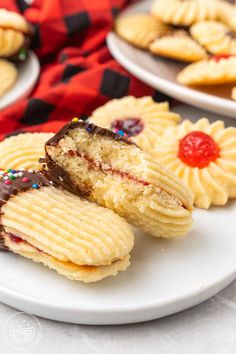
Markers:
(184, 12)
(8, 76)
(178, 45)
(115, 173)
(78, 239)
(203, 155)
(15, 33)
(220, 69)
(215, 37)
(23, 150)
(139, 119)
(139, 29)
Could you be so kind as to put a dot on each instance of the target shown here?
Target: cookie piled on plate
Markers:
(199, 32)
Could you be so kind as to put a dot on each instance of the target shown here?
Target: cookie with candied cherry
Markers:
(203, 155)
(219, 69)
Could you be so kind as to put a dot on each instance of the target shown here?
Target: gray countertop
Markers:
(206, 328)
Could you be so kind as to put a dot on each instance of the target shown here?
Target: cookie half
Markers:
(139, 119)
(8, 76)
(139, 29)
(220, 69)
(215, 37)
(78, 239)
(184, 12)
(117, 174)
(23, 150)
(178, 45)
(203, 156)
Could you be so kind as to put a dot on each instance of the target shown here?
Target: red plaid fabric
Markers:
(77, 72)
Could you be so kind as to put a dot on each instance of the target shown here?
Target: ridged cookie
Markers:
(115, 173)
(220, 69)
(23, 150)
(8, 76)
(203, 155)
(78, 239)
(215, 37)
(178, 45)
(139, 29)
(184, 12)
(139, 119)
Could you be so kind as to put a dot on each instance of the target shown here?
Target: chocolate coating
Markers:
(17, 185)
(90, 128)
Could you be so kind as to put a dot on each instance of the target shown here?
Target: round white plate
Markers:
(28, 73)
(165, 276)
(161, 74)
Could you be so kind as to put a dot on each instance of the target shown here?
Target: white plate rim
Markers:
(199, 99)
(11, 97)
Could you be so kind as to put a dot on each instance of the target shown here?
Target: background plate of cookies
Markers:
(186, 49)
(19, 67)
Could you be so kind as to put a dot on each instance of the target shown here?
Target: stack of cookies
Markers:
(199, 32)
(15, 34)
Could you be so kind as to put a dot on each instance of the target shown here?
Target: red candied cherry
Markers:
(198, 149)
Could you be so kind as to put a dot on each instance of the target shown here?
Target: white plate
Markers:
(165, 276)
(27, 77)
(161, 74)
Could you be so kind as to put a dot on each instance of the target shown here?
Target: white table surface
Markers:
(209, 328)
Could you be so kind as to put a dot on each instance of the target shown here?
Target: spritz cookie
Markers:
(15, 33)
(139, 119)
(219, 69)
(184, 12)
(139, 29)
(117, 174)
(227, 14)
(215, 37)
(78, 239)
(23, 150)
(178, 45)
(8, 76)
(203, 156)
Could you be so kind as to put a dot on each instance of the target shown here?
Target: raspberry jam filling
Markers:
(17, 239)
(218, 57)
(128, 127)
(198, 149)
(110, 169)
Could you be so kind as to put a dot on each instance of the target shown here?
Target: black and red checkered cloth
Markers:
(77, 72)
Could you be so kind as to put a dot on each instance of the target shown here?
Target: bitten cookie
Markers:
(23, 150)
(220, 69)
(184, 12)
(139, 119)
(8, 76)
(15, 33)
(203, 156)
(139, 29)
(78, 239)
(115, 173)
(178, 45)
(215, 37)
